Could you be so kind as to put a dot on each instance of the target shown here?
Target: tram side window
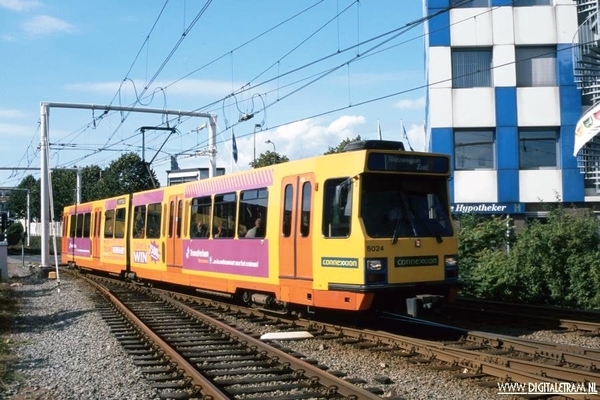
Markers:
(139, 221)
(65, 225)
(73, 225)
(79, 226)
(253, 213)
(87, 222)
(120, 223)
(179, 218)
(109, 223)
(200, 217)
(306, 201)
(153, 221)
(224, 215)
(288, 202)
(337, 207)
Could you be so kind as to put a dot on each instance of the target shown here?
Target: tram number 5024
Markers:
(374, 248)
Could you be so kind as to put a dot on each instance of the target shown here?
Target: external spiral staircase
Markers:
(586, 64)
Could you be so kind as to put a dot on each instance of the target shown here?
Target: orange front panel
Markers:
(343, 300)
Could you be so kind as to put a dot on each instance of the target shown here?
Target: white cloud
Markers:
(11, 114)
(416, 138)
(297, 140)
(46, 25)
(13, 130)
(411, 104)
(19, 5)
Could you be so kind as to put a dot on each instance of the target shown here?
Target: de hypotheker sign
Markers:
(487, 208)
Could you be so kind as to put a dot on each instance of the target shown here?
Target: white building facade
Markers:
(503, 101)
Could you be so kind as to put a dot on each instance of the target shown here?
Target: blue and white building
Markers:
(504, 98)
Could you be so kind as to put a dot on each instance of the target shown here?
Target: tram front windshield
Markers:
(397, 206)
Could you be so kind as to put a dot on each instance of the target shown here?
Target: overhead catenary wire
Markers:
(342, 108)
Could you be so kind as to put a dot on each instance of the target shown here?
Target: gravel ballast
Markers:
(65, 351)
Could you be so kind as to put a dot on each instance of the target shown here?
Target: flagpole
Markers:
(405, 134)
(379, 130)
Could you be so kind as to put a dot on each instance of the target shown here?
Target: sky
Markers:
(310, 73)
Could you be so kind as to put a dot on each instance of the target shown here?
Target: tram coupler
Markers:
(423, 302)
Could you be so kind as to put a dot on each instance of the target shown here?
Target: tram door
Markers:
(295, 257)
(174, 232)
(95, 233)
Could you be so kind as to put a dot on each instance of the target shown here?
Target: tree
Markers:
(127, 174)
(90, 176)
(17, 202)
(64, 190)
(268, 158)
(343, 143)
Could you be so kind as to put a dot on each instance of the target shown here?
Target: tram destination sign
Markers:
(408, 163)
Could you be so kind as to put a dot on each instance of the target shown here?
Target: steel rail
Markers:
(205, 386)
(539, 313)
(585, 357)
(335, 384)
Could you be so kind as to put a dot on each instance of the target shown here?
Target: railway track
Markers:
(519, 314)
(488, 359)
(188, 354)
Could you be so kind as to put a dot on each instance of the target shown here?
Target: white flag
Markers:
(587, 127)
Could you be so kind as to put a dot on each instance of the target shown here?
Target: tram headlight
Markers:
(451, 261)
(451, 266)
(374, 264)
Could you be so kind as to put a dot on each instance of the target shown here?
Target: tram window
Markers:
(109, 223)
(87, 221)
(73, 225)
(171, 217)
(288, 201)
(306, 201)
(200, 217)
(120, 223)
(179, 217)
(224, 215)
(337, 207)
(98, 217)
(139, 221)
(79, 229)
(253, 213)
(153, 221)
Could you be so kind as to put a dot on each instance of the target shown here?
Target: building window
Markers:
(470, 4)
(536, 66)
(471, 68)
(538, 148)
(526, 3)
(474, 149)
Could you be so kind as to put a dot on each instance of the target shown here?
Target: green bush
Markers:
(556, 262)
(14, 233)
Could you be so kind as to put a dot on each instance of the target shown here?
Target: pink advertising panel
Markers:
(229, 256)
(80, 247)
